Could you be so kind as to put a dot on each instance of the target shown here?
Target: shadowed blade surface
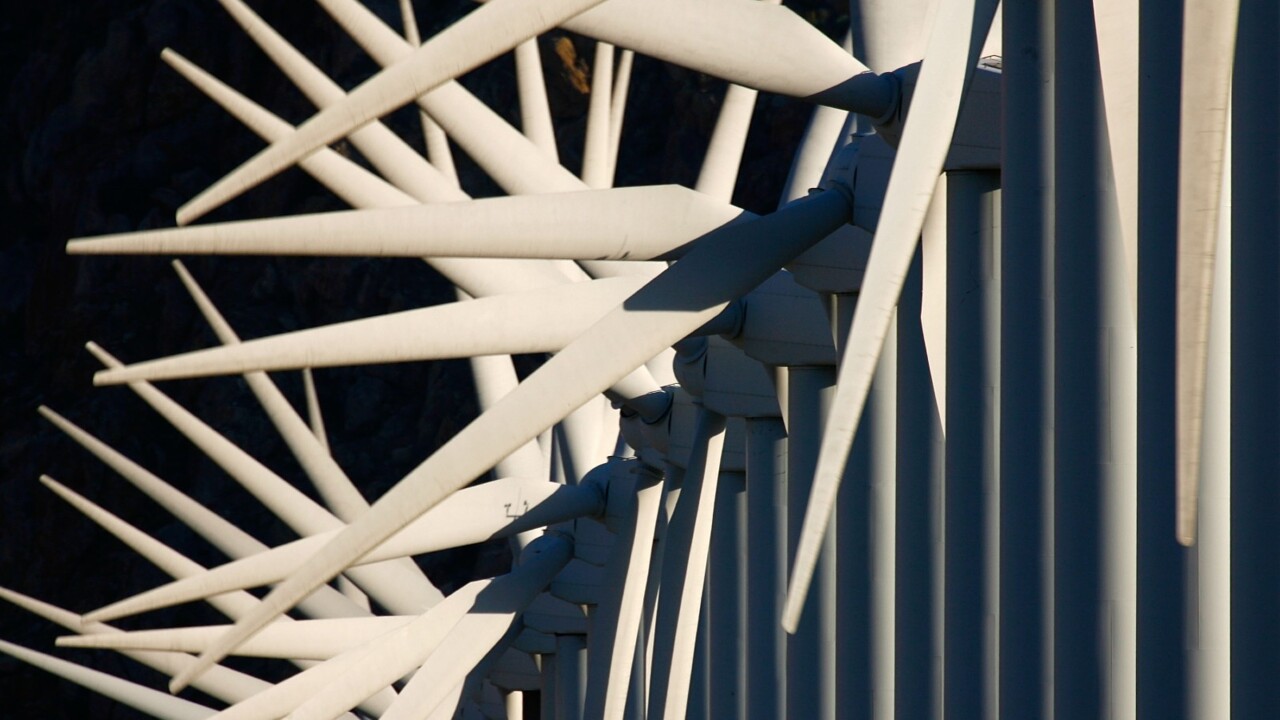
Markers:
(678, 301)
(959, 29)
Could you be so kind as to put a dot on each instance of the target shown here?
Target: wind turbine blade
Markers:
(535, 112)
(495, 377)
(481, 36)
(152, 702)
(315, 418)
(538, 321)
(228, 538)
(823, 135)
(362, 189)
(437, 143)
(304, 639)
(233, 605)
(339, 493)
(496, 509)
(621, 612)
(223, 683)
(595, 151)
(678, 301)
(719, 172)
(1208, 54)
(388, 154)
(355, 185)
(1118, 40)
(518, 165)
(755, 44)
(638, 223)
(958, 31)
(469, 640)
(301, 513)
(688, 544)
(621, 85)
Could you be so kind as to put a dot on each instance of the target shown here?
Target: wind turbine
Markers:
(570, 266)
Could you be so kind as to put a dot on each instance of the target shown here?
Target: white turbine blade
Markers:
(958, 31)
(892, 33)
(518, 165)
(496, 509)
(539, 321)
(535, 112)
(362, 189)
(422, 633)
(595, 151)
(234, 605)
(621, 612)
(304, 639)
(315, 418)
(222, 683)
(621, 84)
(152, 702)
(1117, 32)
(297, 510)
(719, 172)
(355, 185)
(301, 513)
(337, 490)
(495, 377)
(228, 538)
(436, 141)
(388, 154)
(469, 640)
(688, 545)
(1208, 53)
(822, 136)
(339, 493)
(638, 223)
(755, 44)
(680, 300)
(482, 35)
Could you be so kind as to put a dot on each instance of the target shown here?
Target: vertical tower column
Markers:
(1164, 606)
(766, 567)
(811, 661)
(972, 472)
(1255, 356)
(1095, 476)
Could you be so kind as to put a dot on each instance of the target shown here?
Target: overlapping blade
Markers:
(755, 44)
(960, 27)
(496, 509)
(305, 639)
(688, 544)
(487, 620)
(639, 223)
(538, 321)
(388, 154)
(678, 301)
(220, 682)
(362, 189)
(484, 34)
(139, 697)
(1208, 53)
(619, 615)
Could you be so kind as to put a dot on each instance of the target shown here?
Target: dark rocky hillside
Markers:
(98, 136)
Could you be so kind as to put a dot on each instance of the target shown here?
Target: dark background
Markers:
(97, 135)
